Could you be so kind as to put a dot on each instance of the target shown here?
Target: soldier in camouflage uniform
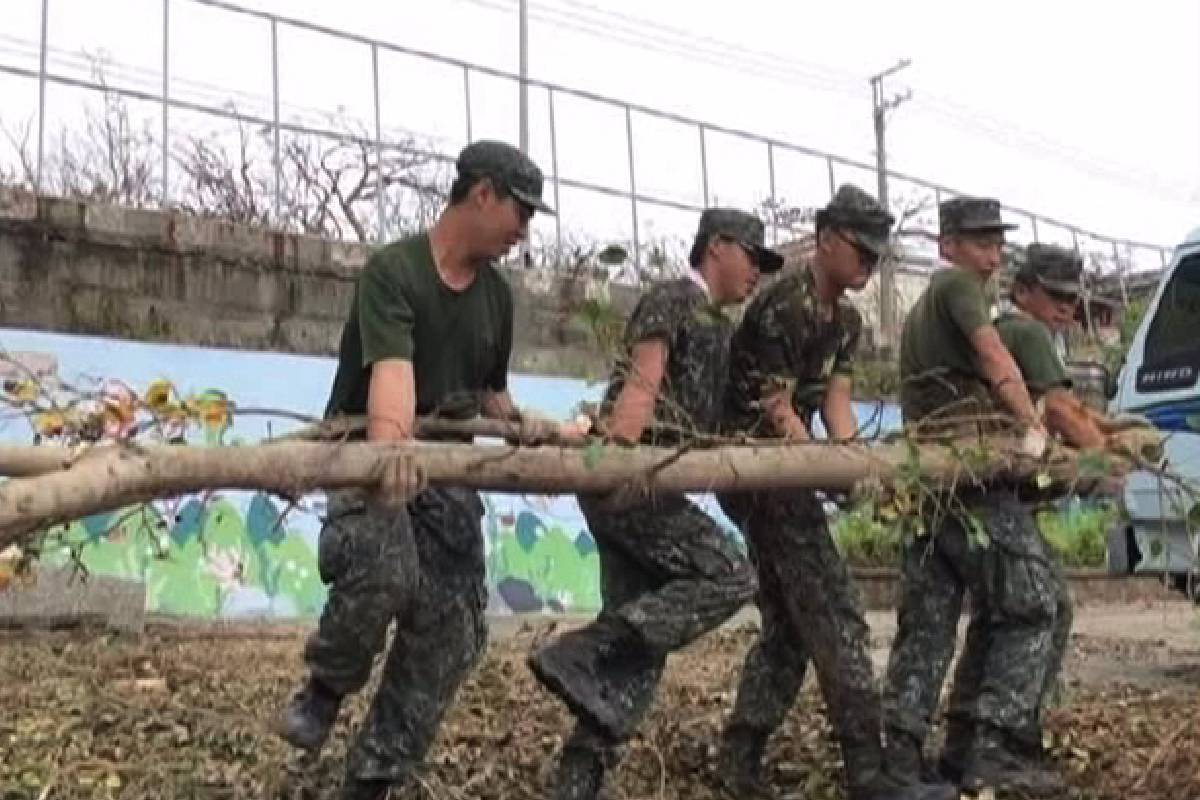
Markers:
(429, 333)
(791, 356)
(668, 572)
(1045, 294)
(953, 363)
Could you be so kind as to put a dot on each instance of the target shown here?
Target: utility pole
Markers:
(880, 106)
(523, 104)
(523, 22)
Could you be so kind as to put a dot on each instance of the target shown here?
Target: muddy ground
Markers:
(186, 713)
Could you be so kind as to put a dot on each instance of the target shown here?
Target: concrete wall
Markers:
(79, 267)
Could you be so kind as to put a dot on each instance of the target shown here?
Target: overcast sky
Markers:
(1080, 110)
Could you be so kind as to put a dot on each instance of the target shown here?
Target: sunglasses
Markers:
(867, 257)
(1059, 296)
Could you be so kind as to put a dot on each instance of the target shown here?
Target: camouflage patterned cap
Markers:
(513, 170)
(746, 229)
(854, 211)
(971, 215)
(1056, 268)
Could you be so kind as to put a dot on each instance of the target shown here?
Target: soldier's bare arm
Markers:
(837, 410)
(1067, 416)
(1001, 372)
(391, 401)
(777, 406)
(633, 409)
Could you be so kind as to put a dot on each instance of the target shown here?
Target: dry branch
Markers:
(113, 476)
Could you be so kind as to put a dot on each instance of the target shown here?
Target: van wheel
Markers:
(1189, 589)
(1123, 553)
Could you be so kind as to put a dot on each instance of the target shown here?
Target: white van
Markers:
(1159, 381)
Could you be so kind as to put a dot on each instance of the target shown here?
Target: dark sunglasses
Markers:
(868, 258)
(1059, 296)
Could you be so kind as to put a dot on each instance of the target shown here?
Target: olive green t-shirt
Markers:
(1032, 348)
(938, 363)
(458, 341)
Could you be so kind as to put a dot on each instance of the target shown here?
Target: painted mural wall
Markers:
(241, 554)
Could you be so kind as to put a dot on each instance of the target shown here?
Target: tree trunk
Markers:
(47, 487)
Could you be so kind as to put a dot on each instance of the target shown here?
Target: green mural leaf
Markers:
(262, 520)
(593, 453)
(181, 584)
(188, 522)
(292, 565)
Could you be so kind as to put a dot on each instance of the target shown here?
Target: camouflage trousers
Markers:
(424, 568)
(1020, 624)
(968, 675)
(810, 608)
(668, 575)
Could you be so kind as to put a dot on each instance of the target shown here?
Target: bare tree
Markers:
(329, 184)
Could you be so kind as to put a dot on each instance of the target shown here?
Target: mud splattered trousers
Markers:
(423, 567)
(1020, 623)
(669, 574)
(810, 608)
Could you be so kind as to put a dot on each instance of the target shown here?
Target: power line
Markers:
(762, 66)
(678, 42)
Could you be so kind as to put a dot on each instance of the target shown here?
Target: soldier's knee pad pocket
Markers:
(1027, 590)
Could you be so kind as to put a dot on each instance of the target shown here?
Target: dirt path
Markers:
(178, 715)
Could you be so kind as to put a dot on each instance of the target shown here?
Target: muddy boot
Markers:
(309, 716)
(740, 764)
(994, 762)
(358, 789)
(580, 773)
(885, 787)
(960, 737)
(902, 757)
(584, 669)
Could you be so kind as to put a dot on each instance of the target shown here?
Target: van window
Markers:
(1173, 334)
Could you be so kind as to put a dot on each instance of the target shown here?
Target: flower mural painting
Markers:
(118, 406)
(238, 554)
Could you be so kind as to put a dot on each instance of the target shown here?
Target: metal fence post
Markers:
(276, 157)
(379, 196)
(1120, 274)
(554, 169)
(637, 248)
(1034, 225)
(166, 103)
(703, 165)
(771, 180)
(467, 94)
(41, 145)
(832, 179)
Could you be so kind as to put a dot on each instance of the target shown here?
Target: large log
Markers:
(49, 486)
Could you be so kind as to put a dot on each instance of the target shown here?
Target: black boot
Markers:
(870, 777)
(580, 773)
(357, 789)
(587, 669)
(956, 749)
(740, 764)
(309, 716)
(885, 787)
(902, 756)
(996, 762)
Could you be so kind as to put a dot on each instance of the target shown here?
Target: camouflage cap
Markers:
(971, 215)
(1056, 268)
(746, 229)
(857, 213)
(506, 165)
